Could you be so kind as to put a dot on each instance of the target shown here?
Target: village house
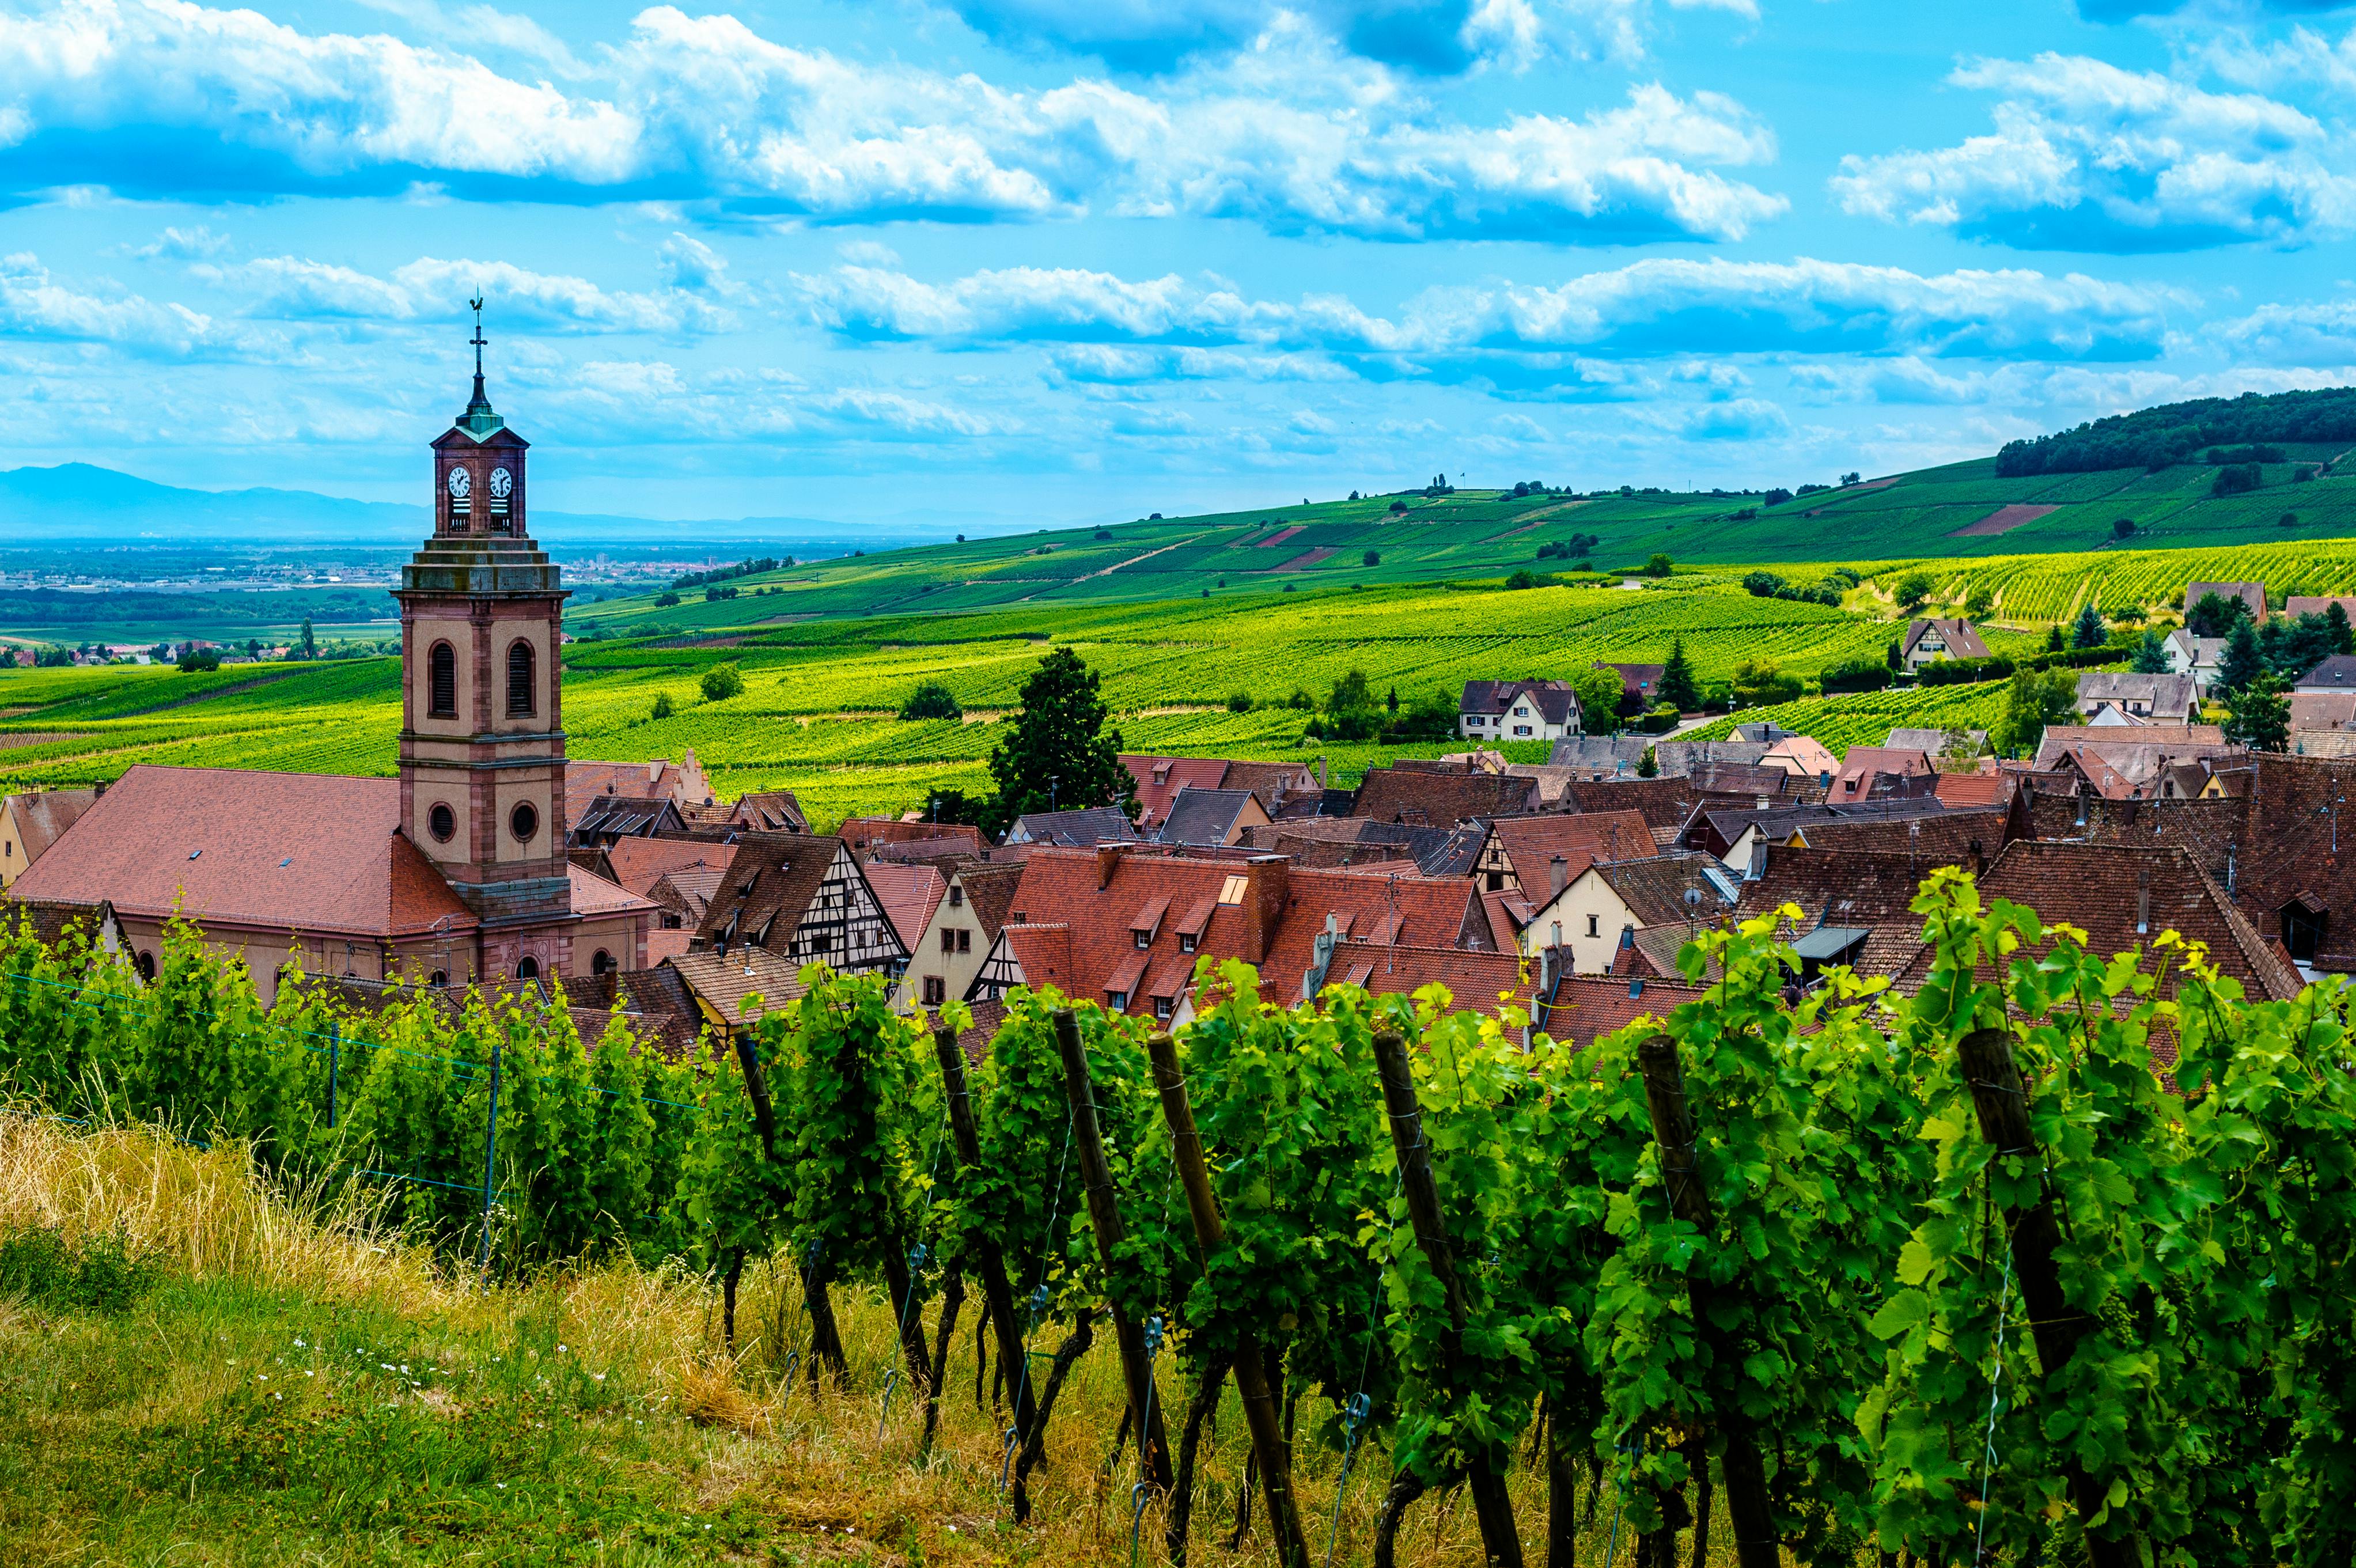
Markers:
(948, 953)
(1081, 829)
(1126, 927)
(1160, 778)
(1211, 818)
(2337, 673)
(1517, 710)
(31, 822)
(1607, 907)
(2194, 655)
(1929, 639)
(1432, 797)
(2114, 697)
(802, 897)
(1871, 771)
(451, 870)
(2251, 595)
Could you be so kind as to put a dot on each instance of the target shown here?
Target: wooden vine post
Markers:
(1747, 1509)
(1251, 1372)
(1104, 1218)
(988, 1261)
(2001, 1098)
(1491, 1503)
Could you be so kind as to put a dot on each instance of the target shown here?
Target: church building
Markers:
(454, 869)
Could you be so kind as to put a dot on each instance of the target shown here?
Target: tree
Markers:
(310, 643)
(1983, 601)
(2089, 631)
(1390, 703)
(1677, 688)
(722, 681)
(2216, 614)
(1758, 683)
(2241, 663)
(662, 709)
(1056, 746)
(1660, 566)
(1522, 578)
(2055, 642)
(1600, 691)
(1912, 589)
(1239, 702)
(2258, 714)
(2334, 616)
(931, 699)
(2151, 655)
(1763, 585)
(1649, 767)
(2033, 699)
(1372, 558)
(2122, 528)
(1351, 709)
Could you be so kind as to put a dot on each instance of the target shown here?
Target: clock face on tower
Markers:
(501, 483)
(459, 483)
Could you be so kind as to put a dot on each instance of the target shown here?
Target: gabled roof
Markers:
(1080, 829)
(1857, 888)
(1207, 816)
(638, 864)
(871, 833)
(1159, 779)
(1654, 889)
(770, 885)
(622, 816)
(2162, 693)
(1531, 843)
(313, 851)
(1476, 981)
(1429, 799)
(769, 811)
(2177, 740)
(1556, 701)
(592, 894)
(1582, 1009)
(721, 982)
(1962, 638)
(909, 895)
(2108, 891)
(1635, 679)
(655, 1003)
(1610, 756)
(43, 815)
(988, 893)
(1864, 763)
(2251, 595)
(2318, 604)
(2337, 673)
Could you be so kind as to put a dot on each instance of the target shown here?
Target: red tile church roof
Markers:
(314, 852)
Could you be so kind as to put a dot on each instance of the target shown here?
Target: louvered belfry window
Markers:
(519, 694)
(442, 680)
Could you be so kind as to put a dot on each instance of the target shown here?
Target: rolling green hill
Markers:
(1963, 513)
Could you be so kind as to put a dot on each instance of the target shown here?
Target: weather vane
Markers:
(475, 304)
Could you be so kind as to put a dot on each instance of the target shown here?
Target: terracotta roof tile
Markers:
(592, 894)
(638, 863)
(1583, 1009)
(909, 895)
(1441, 800)
(276, 850)
(722, 982)
(42, 815)
(1530, 844)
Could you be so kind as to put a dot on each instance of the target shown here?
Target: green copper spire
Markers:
(481, 419)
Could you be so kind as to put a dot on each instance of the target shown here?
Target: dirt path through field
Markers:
(1303, 561)
(1114, 567)
(2003, 520)
(1531, 520)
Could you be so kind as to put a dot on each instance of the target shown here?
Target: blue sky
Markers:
(1059, 260)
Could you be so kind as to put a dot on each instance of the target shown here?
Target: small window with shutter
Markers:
(441, 681)
(519, 683)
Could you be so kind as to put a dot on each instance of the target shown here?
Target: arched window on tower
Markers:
(520, 684)
(441, 681)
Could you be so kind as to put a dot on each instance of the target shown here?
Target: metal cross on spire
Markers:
(479, 417)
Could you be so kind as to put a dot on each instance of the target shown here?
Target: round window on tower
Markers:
(442, 822)
(524, 821)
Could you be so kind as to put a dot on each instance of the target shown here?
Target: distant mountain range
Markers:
(74, 502)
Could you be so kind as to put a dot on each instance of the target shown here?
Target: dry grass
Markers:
(702, 1457)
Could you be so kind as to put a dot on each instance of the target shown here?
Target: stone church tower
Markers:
(482, 733)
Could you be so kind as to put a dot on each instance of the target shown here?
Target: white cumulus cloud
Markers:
(2086, 155)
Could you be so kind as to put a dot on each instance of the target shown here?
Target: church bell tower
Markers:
(482, 733)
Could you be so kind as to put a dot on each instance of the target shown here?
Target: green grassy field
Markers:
(816, 713)
(1882, 526)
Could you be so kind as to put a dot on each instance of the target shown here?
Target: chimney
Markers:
(1267, 888)
(1557, 872)
(1107, 862)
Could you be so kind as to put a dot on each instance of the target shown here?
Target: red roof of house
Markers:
(638, 864)
(592, 894)
(1159, 779)
(861, 832)
(1862, 762)
(314, 852)
(909, 895)
(1581, 838)
(1583, 1009)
